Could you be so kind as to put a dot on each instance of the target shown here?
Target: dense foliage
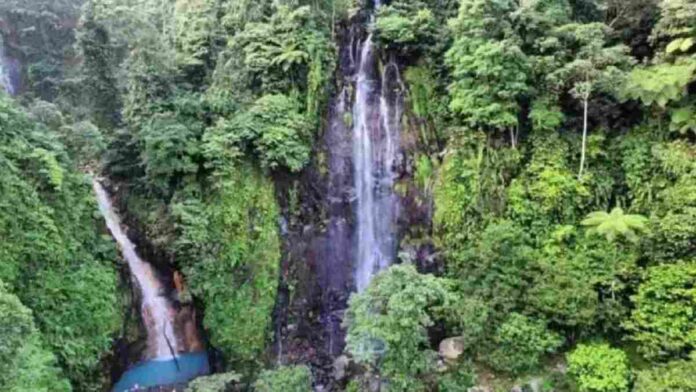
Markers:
(564, 197)
(552, 141)
(54, 258)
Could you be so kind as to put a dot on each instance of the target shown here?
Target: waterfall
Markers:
(376, 128)
(157, 311)
(6, 68)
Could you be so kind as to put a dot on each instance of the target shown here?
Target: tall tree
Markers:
(592, 67)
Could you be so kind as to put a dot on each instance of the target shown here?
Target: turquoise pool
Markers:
(157, 372)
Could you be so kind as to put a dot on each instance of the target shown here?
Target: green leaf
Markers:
(674, 45)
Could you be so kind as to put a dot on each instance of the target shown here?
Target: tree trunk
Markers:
(584, 136)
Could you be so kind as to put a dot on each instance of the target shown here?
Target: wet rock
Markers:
(451, 349)
(479, 389)
(340, 366)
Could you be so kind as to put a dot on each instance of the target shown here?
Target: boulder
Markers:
(340, 367)
(451, 349)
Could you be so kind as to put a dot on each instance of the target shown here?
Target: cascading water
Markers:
(169, 358)
(156, 310)
(6, 69)
(376, 127)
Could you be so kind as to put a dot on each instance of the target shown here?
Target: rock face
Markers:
(451, 349)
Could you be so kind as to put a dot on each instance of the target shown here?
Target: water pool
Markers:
(157, 372)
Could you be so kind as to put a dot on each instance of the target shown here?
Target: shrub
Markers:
(520, 343)
(459, 379)
(215, 383)
(599, 368)
(286, 379)
(24, 364)
(387, 325)
(663, 319)
(676, 376)
(406, 27)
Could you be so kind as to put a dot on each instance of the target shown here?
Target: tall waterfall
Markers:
(156, 309)
(376, 127)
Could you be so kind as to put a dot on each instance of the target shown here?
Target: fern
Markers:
(615, 224)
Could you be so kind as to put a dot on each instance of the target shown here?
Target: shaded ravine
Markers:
(165, 360)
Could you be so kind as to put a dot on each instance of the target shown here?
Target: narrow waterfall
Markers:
(376, 128)
(6, 69)
(157, 311)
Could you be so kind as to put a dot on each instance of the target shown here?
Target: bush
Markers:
(286, 379)
(520, 343)
(459, 379)
(78, 311)
(496, 268)
(663, 319)
(406, 27)
(599, 368)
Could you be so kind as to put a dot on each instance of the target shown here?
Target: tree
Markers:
(599, 368)
(489, 69)
(592, 67)
(615, 224)
(272, 128)
(198, 34)
(665, 81)
(388, 325)
(53, 255)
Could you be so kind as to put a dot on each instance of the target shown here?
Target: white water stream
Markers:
(5, 69)
(157, 311)
(376, 129)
